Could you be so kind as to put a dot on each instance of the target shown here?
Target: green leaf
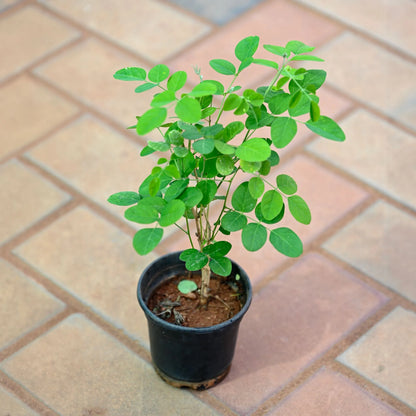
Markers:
(190, 132)
(222, 66)
(274, 159)
(266, 62)
(144, 87)
(203, 88)
(130, 74)
(326, 127)
(172, 171)
(254, 236)
(164, 98)
(232, 102)
(233, 221)
(256, 187)
(271, 204)
(221, 266)
(145, 211)
(208, 112)
(188, 110)
(204, 146)
(276, 50)
(298, 47)
(220, 87)
(286, 241)
(180, 151)
(172, 212)
(242, 200)
(224, 148)
(187, 286)
(315, 111)
(158, 146)
(177, 81)
(124, 198)
(286, 184)
(253, 150)
(217, 249)
(279, 103)
(250, 167)
(158, 73)
(246, 48)
(194, 259)
(175, 189)
(224, 165)
(253, 97)
(210, 132)
(299, 209)
(306, 58)
(150, 120)
(231, 130)
(209, 189)
(283, 130)
(146, 239)
(242, 108)
(154, 185)
(191, 197)
(274, 220)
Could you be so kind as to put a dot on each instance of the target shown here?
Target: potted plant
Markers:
(211, 179)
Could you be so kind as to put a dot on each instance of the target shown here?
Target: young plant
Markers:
(203, 156)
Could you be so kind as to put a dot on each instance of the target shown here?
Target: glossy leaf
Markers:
(146, 240)
(242, 200)
(286, 241)
(250, 167)
(253, 236)
(191, 197)
(315, 111)
(276, 50)
(130, 74)
(222, 66)
(279, 103)
(177, 81)
(221, 266)
(253, 150)
(298, 47)
(274, 220)
(175, 189)
(187, 286)
(194, 259)
(158, 73)
(283, 130)
(124, 198)
(209, 189)
(188, 110)
(256, 187)
(150, 120)
(217, 249)
(246, 48)
(163, 98)
(146, 211)
(224, 165)
(286, 184)
(204, 146)
(203, 88)
(271, 204)
(233, 221)
(172, 212)
(232, 102)
(299, 209)
(158, 146)
(224, 148)
(326, 127)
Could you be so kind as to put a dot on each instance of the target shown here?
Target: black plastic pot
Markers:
(197, 358)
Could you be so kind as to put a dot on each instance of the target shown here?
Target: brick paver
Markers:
(330, 333)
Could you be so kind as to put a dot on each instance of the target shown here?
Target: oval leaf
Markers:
(194, 259)
(158, 73)
(246, 48)
(218, 249)
(191, 197)
(130, 74)
(203, 88)
(204, 146)
(172, 212)
(188, 110)
(177, 81)
(233, 221)
(299, 209)
(254, 236)
(286, 184)
(208, 189)
(326, 127)
(150, 120)
(286, 241)
(271, 204)
(187, 286)
(242, 200)
(146, 239)
(221, 266)
(283, 130)
(254, 150)
(222, 66)
(256, 187)
(224, 165)
(124, 198)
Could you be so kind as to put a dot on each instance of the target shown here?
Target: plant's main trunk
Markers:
(205, 277)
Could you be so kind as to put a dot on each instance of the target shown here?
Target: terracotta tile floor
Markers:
(330, 333)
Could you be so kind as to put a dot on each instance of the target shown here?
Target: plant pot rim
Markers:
(162, 322)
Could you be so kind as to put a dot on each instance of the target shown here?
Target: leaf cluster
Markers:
(201, 156)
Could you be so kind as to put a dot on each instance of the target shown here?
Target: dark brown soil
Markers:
(226, 300)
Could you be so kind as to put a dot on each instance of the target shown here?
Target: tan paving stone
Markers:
(150, 28)
(78, 369)
(29, 110)
(94, 158)
(386, 355)
(24, 304)
(389, 20)
(29, 34)
(11, 406)
(95, 262)
(86, 72)
(381, 243)
(276, 22)
(329, 198)
(375, 152)
(371, 74)
(27, 195)
(328, 394)
(291, 322)
(7, 3)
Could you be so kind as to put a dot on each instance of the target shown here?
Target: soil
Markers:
(226, 299)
